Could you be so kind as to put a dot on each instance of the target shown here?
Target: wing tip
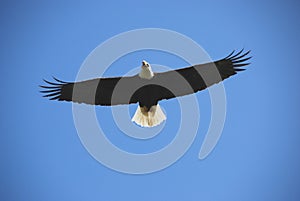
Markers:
(238, 60)
(52, 90)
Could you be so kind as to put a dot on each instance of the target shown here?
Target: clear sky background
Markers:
(257, 157)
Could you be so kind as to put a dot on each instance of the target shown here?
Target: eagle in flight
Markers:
(147, 88)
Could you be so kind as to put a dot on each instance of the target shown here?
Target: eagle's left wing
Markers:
(189, 80)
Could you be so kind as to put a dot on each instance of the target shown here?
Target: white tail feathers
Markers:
(153, 117)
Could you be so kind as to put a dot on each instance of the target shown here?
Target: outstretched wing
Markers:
(189, 80)
(126, 90)
(101, 91)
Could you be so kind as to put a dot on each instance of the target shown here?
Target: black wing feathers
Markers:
(95, 92)
(170, 84)
(200, 76)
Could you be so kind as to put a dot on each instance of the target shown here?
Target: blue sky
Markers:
(257, 157)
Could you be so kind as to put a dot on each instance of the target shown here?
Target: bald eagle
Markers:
(147, 88)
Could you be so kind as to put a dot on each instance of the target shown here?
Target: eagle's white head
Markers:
(146, 71)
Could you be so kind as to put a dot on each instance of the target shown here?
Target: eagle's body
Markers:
(148, 113)
(147, 88)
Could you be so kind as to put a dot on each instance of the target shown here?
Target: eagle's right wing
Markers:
(101, 91)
